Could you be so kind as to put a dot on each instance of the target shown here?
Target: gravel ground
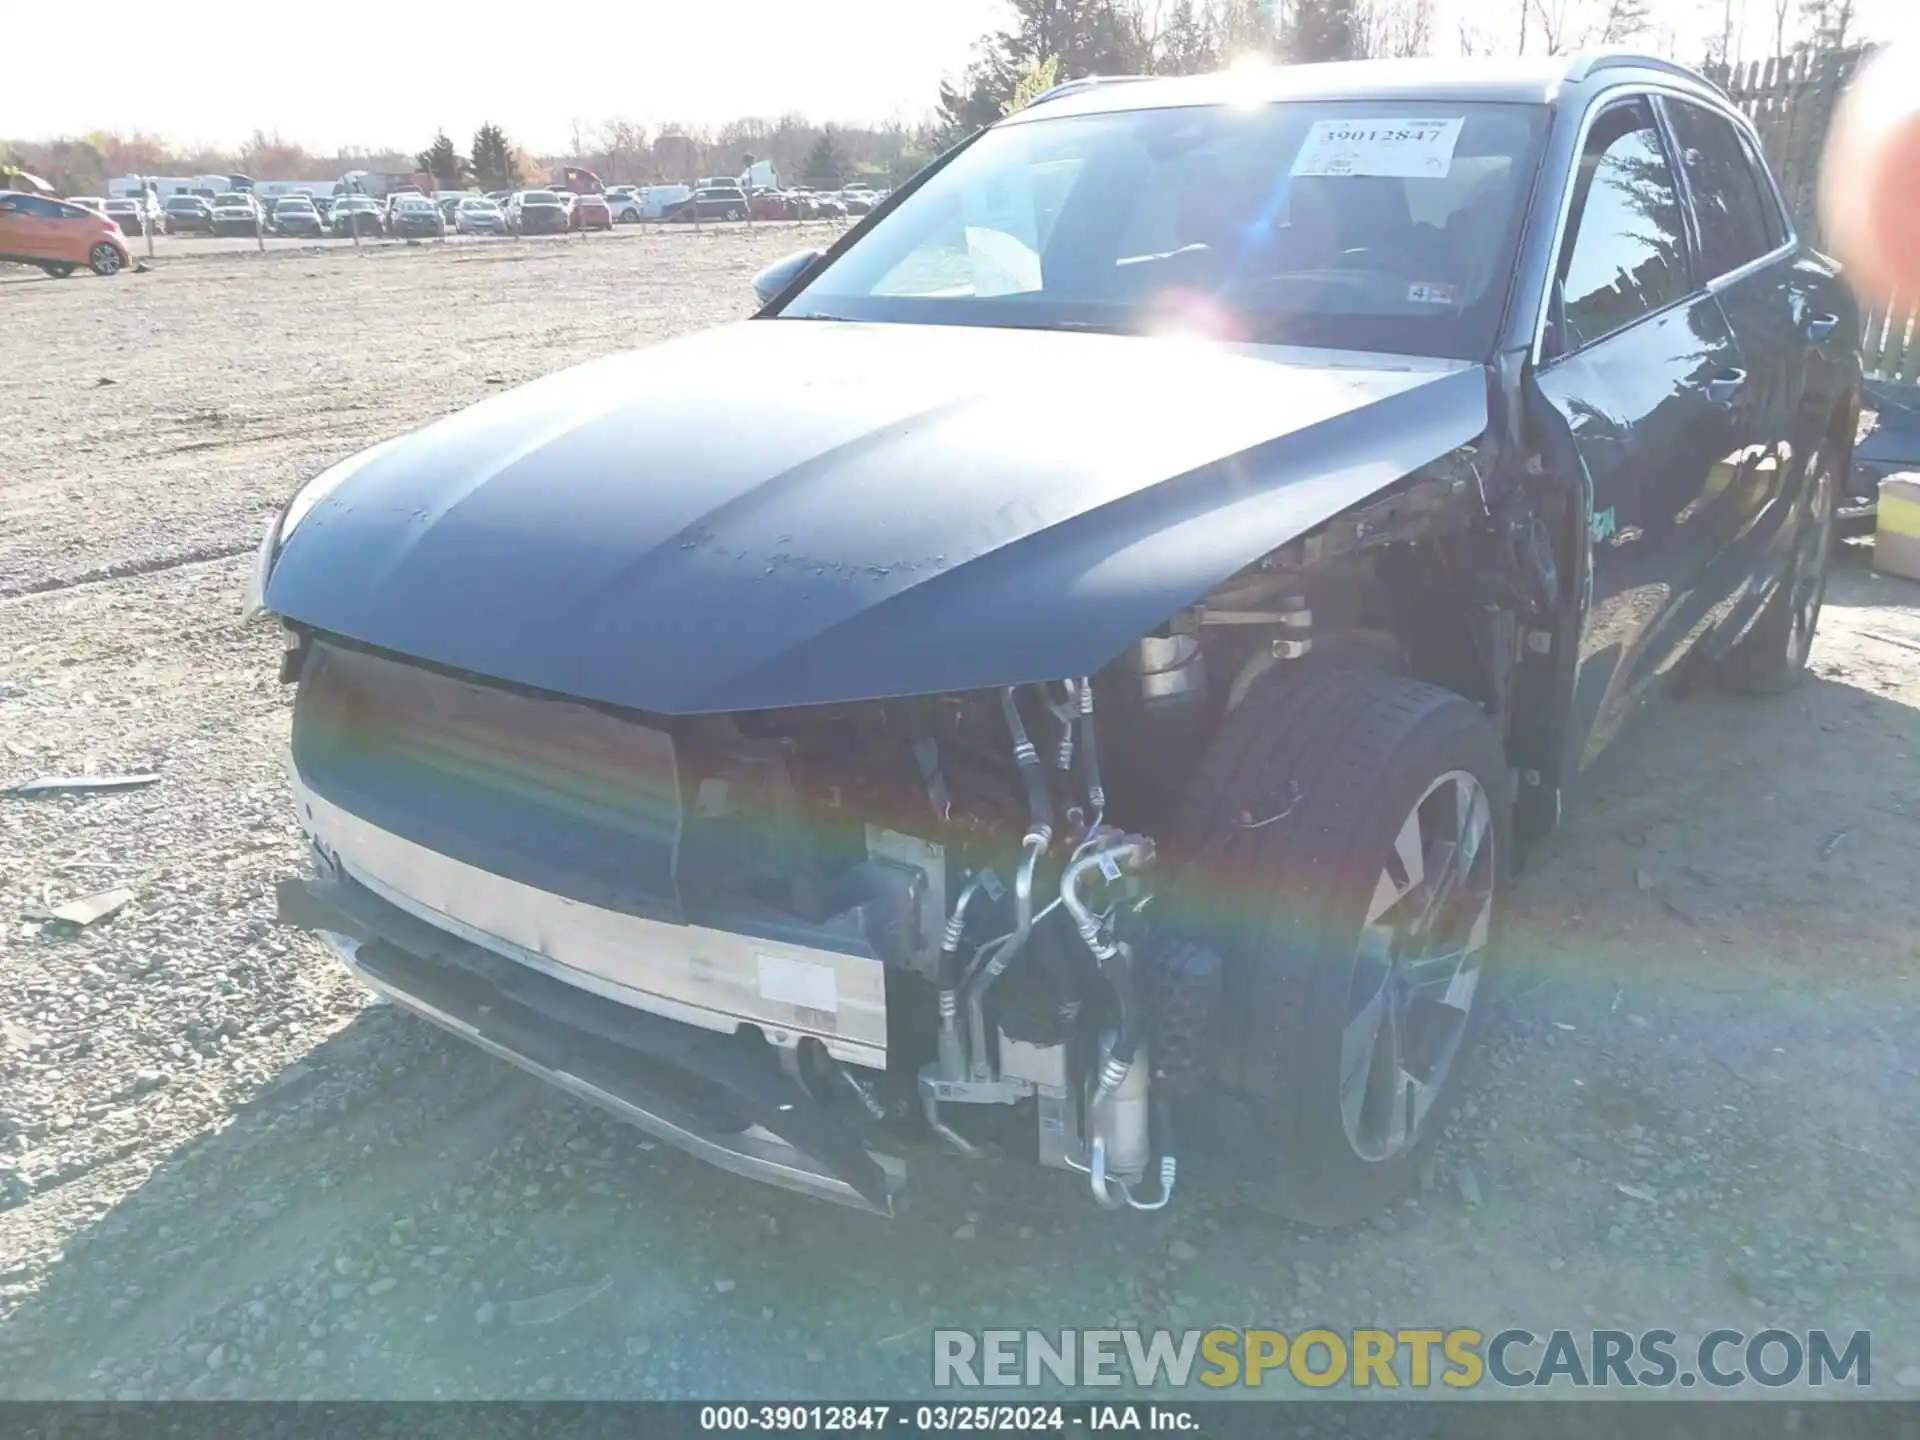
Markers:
(224, 1173)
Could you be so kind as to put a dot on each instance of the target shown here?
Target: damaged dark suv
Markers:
(1075, 672)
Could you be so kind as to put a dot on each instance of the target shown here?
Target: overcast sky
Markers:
(379, 73)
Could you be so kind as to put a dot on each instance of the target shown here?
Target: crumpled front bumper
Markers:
(723, 1098)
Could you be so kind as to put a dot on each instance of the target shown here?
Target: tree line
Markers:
(618, 151)
(1047, 42)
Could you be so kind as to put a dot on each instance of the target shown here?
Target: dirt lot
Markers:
(223, 1173)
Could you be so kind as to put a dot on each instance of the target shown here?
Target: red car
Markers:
(770, 205)
(590, 212)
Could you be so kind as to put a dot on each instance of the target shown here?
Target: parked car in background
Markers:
(589, 212)
(715, 202)
(769, 205)
(1531, 401)
(624, 201)
(187, 215)
(95, 203)
(296, 215)
(657, 200)
(392, 200)
(236, 213)
(478, 215)
(133, 213)
(449, 206)
(323, 206)
(858, 199)
(537, 212)
(58, 237)
(415, 216)
(357, 215)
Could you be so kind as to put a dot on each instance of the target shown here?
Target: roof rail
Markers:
(1085, 82)
(1584, 64)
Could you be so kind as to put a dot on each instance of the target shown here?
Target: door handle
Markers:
(1821, 327)
(1725, 387)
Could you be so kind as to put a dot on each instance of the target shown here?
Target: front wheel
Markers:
(1345, 846)
(104, 259)
(732, 212)
(1771, 658)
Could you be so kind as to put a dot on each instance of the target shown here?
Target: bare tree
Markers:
(1724, 47)
(623, 143)
(1829, 23)
(1393, 29)
(1781, 10)
(1625, 20)
(1557, 20)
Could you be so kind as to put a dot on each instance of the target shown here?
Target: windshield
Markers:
(478, 205)
(294, 202)
(539, 197)
(183, 202)
(1366, 225)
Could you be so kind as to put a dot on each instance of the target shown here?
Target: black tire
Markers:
(1286, 833)
(1771, 658)
(57, 269)
(104, 260)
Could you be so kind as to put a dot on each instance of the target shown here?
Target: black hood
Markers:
(788, 512)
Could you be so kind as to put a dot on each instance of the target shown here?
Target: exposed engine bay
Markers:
(927, 910)
(1013, 915)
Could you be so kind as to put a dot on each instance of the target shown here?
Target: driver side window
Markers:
(1625, 253)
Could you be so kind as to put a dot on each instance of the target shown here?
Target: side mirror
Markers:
(782, 273)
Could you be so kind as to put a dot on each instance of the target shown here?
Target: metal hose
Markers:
(1090, 753)
(1039, 802)
(988, 969)
(1115, 960)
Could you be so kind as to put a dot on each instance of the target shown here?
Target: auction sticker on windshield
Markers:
(1403, 149)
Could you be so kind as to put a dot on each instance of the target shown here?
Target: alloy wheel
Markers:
(1416, 971)
(1810, 560)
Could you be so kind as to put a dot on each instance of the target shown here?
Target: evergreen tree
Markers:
(494, 164)
(979, 97)
(1189, 44)
(1323, 30)
(824, 166)
(443, 162)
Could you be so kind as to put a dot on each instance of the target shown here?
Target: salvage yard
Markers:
(223, 1172)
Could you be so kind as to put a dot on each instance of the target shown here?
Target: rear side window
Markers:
(1739, 221)
(1625, 255)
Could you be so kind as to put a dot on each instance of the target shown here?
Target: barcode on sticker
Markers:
(990, 883)
(1110, 868)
